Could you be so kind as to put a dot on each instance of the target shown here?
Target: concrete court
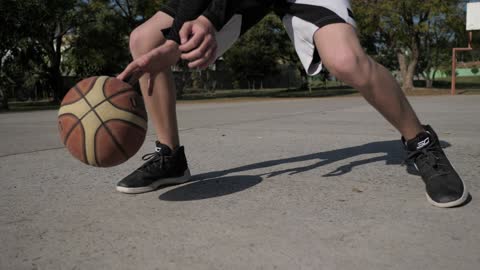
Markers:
(280, 184)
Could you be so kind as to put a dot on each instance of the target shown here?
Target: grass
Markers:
(465, 86)
(467, 83)
(268, 93)
(18, 106)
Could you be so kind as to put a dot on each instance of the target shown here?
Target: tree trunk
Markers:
(428, 83)
(181, 79)
(430, 79)
(55, 56)
(4, 97)
(304, 76)
(407, 67)
(402, 61)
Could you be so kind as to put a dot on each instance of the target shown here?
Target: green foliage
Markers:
(260, 51)
(99, 45)
(33, 34)
(475, 70)
(410, 35)
(42, 40)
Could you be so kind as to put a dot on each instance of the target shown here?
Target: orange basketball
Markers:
(102, 121)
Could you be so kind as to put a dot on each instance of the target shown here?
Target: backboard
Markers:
(473, 16)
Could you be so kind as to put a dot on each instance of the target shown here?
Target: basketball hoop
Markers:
(473, 24)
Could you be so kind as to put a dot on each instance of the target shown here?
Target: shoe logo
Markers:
(423, 143)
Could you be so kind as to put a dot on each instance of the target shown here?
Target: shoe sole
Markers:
(155, 185)
(450, 204)
(455, 203)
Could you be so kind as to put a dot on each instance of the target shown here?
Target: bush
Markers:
(475, 70)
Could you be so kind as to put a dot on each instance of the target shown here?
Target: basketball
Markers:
(102, 121)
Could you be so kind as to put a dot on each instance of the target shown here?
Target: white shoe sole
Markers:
(450, 204)
(155, 185)
(455, 203)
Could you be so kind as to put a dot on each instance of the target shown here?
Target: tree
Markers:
(260, 52)
(99, 45)
(135, 12)
(35, 31)
(42, 40)
(475, 70)
(405, 28)
(443, 31)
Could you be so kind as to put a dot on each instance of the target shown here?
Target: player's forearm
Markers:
(187, 10)
(219, 12)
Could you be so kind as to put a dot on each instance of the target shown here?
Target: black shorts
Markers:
(301, 18)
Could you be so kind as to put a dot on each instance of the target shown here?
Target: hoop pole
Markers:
(470, 39)
(454, 61)
(454, 71)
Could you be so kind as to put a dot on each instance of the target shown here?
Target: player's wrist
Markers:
(207, 23)
(171, 44)
(171, 47)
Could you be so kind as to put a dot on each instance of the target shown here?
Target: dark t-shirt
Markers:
(218, 12)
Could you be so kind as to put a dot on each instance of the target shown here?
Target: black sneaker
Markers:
(163, 167)
(444, 186)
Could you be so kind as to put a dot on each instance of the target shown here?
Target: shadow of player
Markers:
(217, 183)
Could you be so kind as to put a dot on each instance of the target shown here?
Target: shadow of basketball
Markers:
(211, 188)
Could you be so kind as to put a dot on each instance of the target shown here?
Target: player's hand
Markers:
(199, 46)
(156, 60)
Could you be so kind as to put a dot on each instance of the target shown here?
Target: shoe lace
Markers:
(153, 160)
(432, 155)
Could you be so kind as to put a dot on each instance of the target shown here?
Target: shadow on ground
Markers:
(217, 183)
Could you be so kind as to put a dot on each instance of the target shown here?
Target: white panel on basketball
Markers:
(473, 16)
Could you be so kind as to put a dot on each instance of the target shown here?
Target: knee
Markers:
(137, 38)
(141, 41)
(352, 68)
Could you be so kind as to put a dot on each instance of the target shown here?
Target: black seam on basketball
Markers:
(103, 88)
(84, 151)
(75, 86)
(113, 138)
(84, 148)
(93, 109)
(71, 129)
(116, 94)
(130, 123)
(108, 99)
(81, 94)
(125, 121)
(119, 92)
(95, 145)
(101, 121)
(91, 85)
(69, 103)
(103, 101)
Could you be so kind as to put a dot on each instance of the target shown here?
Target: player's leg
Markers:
(343, 56)
(167, 164)
(161, 104)
(328, 28)
(341, 53)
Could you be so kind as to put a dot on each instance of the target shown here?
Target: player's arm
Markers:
(219, 12)
(187, 10)
(167, 54)
(198, 36)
